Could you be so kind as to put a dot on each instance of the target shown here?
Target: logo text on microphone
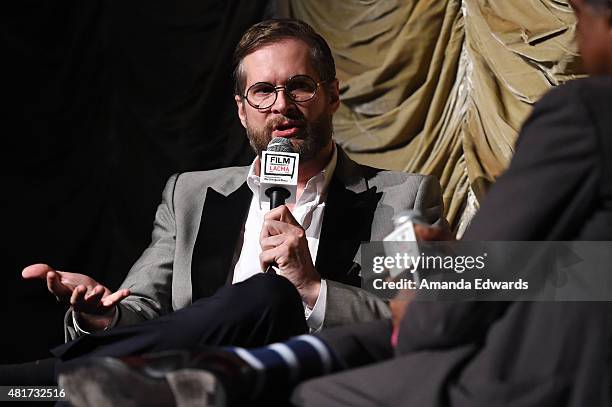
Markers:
(280, 165)
(279, 169)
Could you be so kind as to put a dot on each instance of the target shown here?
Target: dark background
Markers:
(103, 100)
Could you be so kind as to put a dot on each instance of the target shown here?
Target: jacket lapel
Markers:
(220, 229)
(347, 222)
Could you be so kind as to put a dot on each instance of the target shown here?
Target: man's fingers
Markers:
(268, 257)
(36, 271)
(78, 296)
(398, 310)
(272, 227)
(282, 214)
(52, 279)
(115, 297)
(81, 291)
(287, 217)
(56, 287)
(430, 233)
(93, 297)
(271, 242)
(94, 300)
(276, 227)
(86, 299)
(276, 213)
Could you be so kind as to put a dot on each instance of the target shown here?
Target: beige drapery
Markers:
(441, 86)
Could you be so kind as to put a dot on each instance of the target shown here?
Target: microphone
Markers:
(278, 173)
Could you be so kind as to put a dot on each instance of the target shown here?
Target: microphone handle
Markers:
(277, 198)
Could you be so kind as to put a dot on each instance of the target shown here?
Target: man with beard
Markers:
(213, 236)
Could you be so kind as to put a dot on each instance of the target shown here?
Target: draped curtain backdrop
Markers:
(442, 86)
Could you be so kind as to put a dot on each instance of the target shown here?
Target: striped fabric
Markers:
(288, 363)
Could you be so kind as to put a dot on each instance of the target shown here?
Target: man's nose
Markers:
(283, 103)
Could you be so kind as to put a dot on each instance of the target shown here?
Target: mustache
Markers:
(292, 121)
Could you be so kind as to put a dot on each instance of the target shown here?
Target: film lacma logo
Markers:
(279, 168)
(280, 164)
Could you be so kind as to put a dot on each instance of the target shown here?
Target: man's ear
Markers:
(241, 110)
(333, 89)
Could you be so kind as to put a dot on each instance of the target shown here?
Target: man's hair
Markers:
(275, 30)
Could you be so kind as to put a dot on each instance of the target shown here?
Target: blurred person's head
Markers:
(594, 34)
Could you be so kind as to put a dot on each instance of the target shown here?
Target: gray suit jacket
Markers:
(198, 227)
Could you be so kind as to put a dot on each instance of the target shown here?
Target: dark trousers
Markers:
(263, 309)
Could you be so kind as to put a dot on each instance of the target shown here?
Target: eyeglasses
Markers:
(299, 88)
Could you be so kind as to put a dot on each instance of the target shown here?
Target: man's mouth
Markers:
(287, 129)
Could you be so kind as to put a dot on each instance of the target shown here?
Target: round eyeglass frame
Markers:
(284, 89)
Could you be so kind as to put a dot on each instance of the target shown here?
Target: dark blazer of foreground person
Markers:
(558, 187)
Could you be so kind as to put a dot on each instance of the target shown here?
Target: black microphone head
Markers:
(280, 145)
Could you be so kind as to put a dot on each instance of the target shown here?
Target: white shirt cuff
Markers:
(80, 331)
(316, 315)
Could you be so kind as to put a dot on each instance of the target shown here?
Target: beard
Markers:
(308, 142)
